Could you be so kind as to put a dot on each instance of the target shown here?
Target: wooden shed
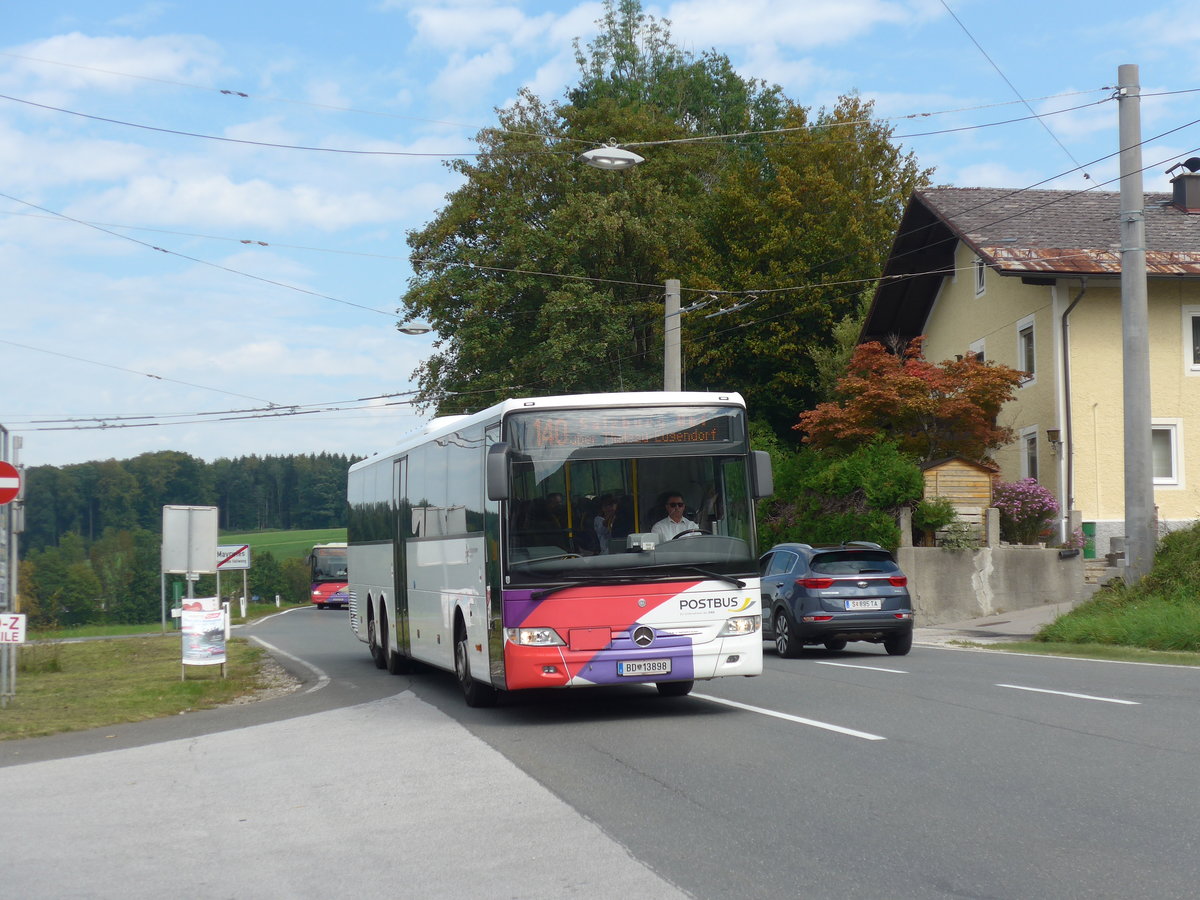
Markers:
(967, 485)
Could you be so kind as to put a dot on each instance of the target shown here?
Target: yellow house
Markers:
(1031, 279)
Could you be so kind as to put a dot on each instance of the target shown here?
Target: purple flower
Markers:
(1026, 508)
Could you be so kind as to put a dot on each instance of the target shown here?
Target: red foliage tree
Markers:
(931, 410)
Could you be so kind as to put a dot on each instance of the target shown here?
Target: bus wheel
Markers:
(476, 692)
(373, 642)
(675, 688)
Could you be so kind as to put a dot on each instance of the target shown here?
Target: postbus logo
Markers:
(728, 604)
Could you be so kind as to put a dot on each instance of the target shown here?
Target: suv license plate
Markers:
(864, 604)
(645, 667)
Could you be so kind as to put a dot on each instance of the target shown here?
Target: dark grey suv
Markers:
(834, 594)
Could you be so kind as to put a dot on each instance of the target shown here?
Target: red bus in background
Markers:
(327, 564)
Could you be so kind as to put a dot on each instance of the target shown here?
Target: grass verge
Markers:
(90, 684)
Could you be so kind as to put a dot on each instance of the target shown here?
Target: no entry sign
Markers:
(10, 482)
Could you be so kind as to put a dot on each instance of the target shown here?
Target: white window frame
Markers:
(1174, 427)
(980, 271)
(1027, 437)
(1027, 364)
(1191, 366)
(975, 348)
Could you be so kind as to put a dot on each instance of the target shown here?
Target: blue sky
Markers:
(284, 266)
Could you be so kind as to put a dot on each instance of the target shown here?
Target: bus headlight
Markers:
(741, 625)
(535, 637)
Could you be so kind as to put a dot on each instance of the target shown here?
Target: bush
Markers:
(830, 497)
(1026, 509)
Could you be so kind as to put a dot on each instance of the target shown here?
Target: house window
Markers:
(1164, 453)
(1026, 357)
(1191, 339)
(980, 277)
(1029, 453)
(976, 349)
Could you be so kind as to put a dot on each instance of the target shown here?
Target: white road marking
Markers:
(1017, 687)
(822, 662)
(866, 736)
(322, 678)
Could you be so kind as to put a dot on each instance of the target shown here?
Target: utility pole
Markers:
(672, 354)
(1141, 526)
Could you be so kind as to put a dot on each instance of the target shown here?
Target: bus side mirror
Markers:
(762, 481)
(497, 472)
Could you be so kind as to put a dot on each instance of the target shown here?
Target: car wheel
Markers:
(786, 644)
(898, 644)
(476, 693)
(675, 688)
(835, 644)
(373, 642)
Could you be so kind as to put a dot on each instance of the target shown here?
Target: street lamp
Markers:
(611, 158)
(413, 328)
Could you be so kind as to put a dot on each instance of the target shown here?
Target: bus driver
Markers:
(674, 524)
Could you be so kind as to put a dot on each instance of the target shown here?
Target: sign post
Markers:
(12, 626)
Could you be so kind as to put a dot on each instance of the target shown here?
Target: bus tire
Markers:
(674, 688)
(373, 632)
(476, 693)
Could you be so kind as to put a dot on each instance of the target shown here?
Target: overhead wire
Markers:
(1012, 86)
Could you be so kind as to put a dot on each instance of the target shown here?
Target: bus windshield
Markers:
(328, 564)
(588, 487)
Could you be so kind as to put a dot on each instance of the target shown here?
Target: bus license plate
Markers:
(864, 604)
(645, 667)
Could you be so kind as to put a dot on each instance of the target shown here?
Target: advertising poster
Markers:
(203, 625)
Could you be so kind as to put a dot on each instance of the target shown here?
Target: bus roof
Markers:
(444, 425)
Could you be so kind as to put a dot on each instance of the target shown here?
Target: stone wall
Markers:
(954, 585)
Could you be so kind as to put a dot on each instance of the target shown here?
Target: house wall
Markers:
(960, 319)
(1098, 403)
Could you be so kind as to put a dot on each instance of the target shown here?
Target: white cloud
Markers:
(709, 23)
(78, 61)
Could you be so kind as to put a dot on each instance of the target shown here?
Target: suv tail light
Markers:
(818, 584)
(897, 580)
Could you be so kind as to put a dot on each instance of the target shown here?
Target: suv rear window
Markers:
(854, 562)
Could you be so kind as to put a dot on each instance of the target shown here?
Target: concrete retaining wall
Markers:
(953, 585)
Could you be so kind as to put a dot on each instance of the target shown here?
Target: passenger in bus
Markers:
(603, 523)
(674, 523)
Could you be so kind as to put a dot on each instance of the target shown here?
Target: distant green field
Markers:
(285, 544)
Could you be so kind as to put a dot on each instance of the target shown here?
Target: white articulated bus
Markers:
(516, 547)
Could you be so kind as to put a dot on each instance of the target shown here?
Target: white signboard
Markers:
(203, 626)
(233, 556)
(189, 541)
(12, 628)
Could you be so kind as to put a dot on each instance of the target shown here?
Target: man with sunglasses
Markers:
(675, 523)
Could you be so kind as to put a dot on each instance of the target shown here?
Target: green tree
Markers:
(833, 496)
(541, 275)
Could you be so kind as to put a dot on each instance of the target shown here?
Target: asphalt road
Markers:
(946, 773)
